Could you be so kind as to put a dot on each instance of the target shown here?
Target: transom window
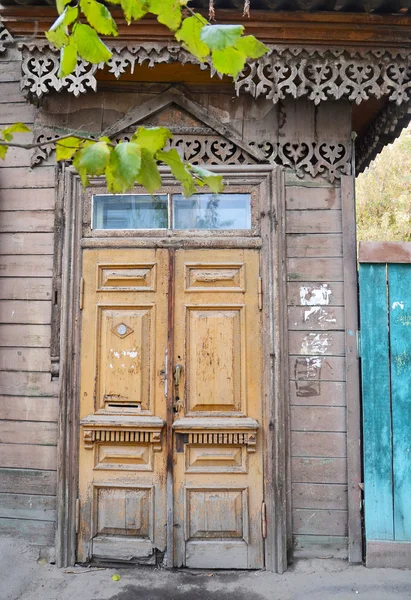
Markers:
(172, 211)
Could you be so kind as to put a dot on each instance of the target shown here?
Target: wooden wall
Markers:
(28, 397)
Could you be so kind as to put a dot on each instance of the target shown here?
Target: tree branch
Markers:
(48, 142)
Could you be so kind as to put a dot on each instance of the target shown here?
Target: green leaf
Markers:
(65, 149)
(115, 577)
(152, 138)
(168, 12)
(68, 59)
(214, 182)
(219, 37)
(134, 9)
(17, 128)
(61, 4)
(190, 33)
(99, 17)
(3, 152)
(229, 61)
(251, 47)
(58, 37)
(92, 159)
(178, 169)
(89, 45)
(123, 168)
(149, 177)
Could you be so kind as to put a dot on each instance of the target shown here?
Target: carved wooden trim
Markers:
(127, 436)
(4, 37)
(318, 74)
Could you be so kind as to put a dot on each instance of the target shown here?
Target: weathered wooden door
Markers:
(171, 407)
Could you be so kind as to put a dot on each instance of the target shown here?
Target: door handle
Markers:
(178, 369)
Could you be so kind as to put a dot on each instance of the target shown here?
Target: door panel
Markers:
(122, 405)
(218, 458)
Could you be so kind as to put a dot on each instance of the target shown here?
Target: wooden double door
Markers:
(171, 441)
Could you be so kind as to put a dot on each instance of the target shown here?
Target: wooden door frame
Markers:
(67, 317)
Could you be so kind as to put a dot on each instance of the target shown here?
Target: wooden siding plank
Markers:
(34, 336)
(24, 359)
(20, 288)
(313, 221)
(28, 506)
(22, 311)
(27, 384)
(307, 293)
(320, 546)
(317, 369)
(16, 111)
(318, 418)
(318, 444)
(26, 265)
(28, 408)
(316, 342)
(22, 456)
(399, 285)
(21, 177)
(323, 270)
(39, 533)
(320, 522)
(388, 555)
(304, 198)
(11, 92)
(318, 495)
(319, 470)
(10, 71)
(28, 481)
(384, 252)
(28, 432)
(17, 199)
(376, 403)
(25, 243)
(28, 220)
(316, 318)
(329, 393)
(323, 245)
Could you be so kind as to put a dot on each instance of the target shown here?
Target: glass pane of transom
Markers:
(128, 211)
(212, 211)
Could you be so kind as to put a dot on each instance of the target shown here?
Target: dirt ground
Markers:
(23, 576)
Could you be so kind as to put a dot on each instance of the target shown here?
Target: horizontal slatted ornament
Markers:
(27, 221)
(26, 265)
(313, 221)
(318, 418)
(309, 293)
(323, 245)
(24, 359)
(330, 393)
(323, 270)
(27, 384)
(28, 506)
(21, 177)
(324, 343)
(18, 199)
(20, 288)
(35, 336)
(305, 198)
(22, 456)
(318, 444)
(319, 495)
(316, 317)
(318, 470)
(28, 408)
(21, 311)
(25, 243)
(320, 522)
(39, 533)
(28, 481)
(28, 432)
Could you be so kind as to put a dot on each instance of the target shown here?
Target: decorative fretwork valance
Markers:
(317, 74)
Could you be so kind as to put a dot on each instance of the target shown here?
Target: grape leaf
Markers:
(134, 9)
(220, 37)
(152, 138)
(214, 182)
(58, 37)
(16, 128)
(229, 61)
(61, 4)
(3, 152)
(68, 59)
(168, 12)
(190, 33)
(65, 149)
(92, 159)
(99, 17)
(250, 47)
(148, 176)
(178, 169)
(89, 45)
(123, 168)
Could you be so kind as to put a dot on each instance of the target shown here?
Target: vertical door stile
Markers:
(170, 411)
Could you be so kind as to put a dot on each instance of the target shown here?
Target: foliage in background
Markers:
(384, 194)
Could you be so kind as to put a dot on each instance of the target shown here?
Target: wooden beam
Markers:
(384, 252)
